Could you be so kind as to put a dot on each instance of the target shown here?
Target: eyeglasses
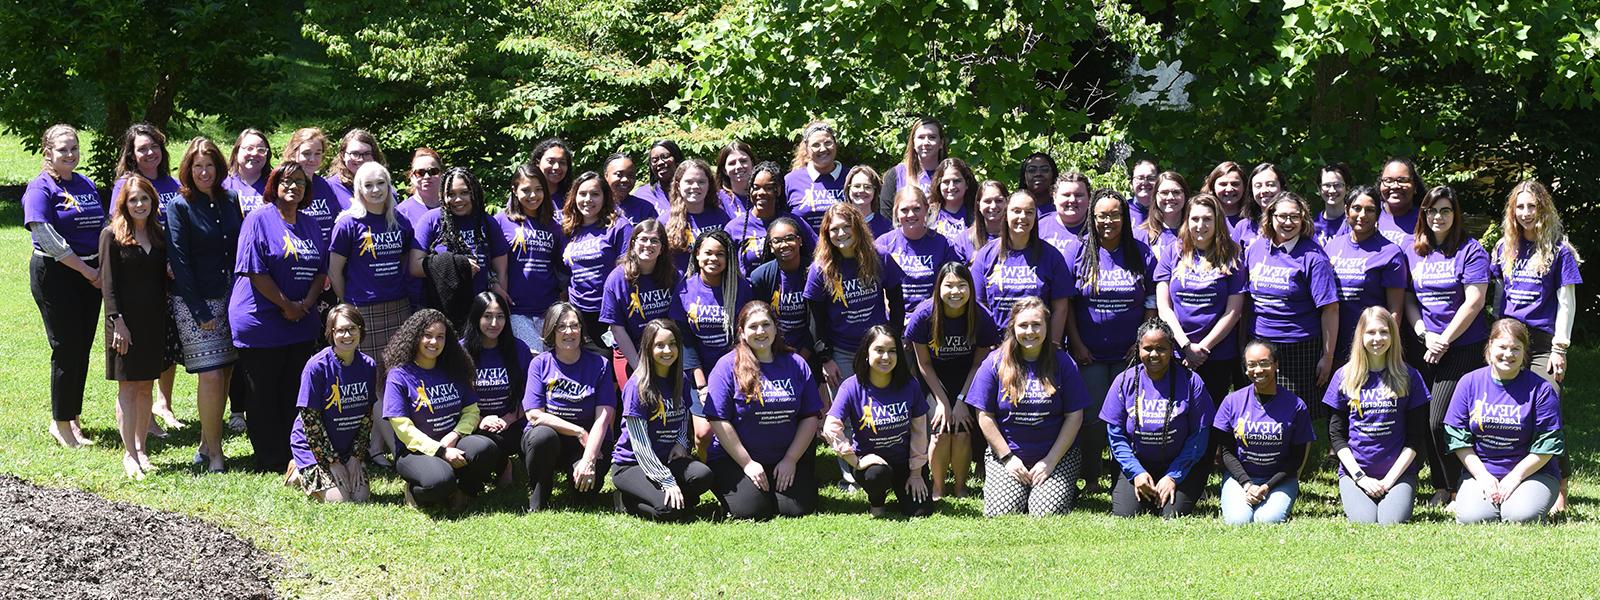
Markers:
(1288, 217)
(361, 154)
(1146, 178)
(1395, 181)
(346, 330)
(1438, 212)
(427, 172)
(788, 239)
(1260, 364)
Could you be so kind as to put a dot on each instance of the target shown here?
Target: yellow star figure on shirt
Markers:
(1238, 432)
(838, 290)
(694, 314)
(868, 419)
(777, 296)
(659, 413)
(367, 246)
(69, 202)
(335, 400)
(289, 249)
(519, 244)
(1355, 405)
(1476, 418)
(635, 304)
(422, 400)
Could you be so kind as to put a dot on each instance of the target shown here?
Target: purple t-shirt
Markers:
(1527, 296)
(810, 194)
(375, 257)
(1505, 417)
(1365, 271)
(1263, 434)
(749, 233)
(1440, 284)
(413, 210)
(878, 225)
(1066, 240)
(1377, 430)
(954, 350)
(924, 179)
(1166, 239)
(72, 208)
(1325, 228)
(1001, 277)
(1158, 416)
(590, 255)
(951, 225)
(251, 195)
(481, 235)
(493, 385)
(636, 210)
(1245, 230)
(766, 425)
(428, 397)
(879, 419)
(292, 254)
(1287, 287)
(1031, 424)
(1396, 228)
(736, 205)
(573, 392)
(1111, 310)
(657, 197)
(1200, 297)
(323, 207)
(709, 325)
(854, 305)
(167, 190)
(532, 252)
(709, 220)
(343, 394)
(632, 304)
(663, 422)
(788, 296)
(919, 261)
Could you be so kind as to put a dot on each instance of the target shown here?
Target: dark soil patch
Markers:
(70, 544)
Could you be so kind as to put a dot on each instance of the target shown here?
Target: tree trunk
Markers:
(163, 100)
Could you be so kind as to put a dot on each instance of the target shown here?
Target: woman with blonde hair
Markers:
(816, 182)
(1378, 424)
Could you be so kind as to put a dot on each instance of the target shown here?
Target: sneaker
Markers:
(848, 488)
(236, 422)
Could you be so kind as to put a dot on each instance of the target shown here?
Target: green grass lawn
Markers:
(495, 550)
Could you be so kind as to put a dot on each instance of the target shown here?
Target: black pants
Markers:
(877, 480)
(543, 452)
(593, 329)
(1125, 503)
(70, 308)
(1541, 344)
(274, 375)
(238, 392)
(508, 440)
(641, 497)
(1221, 377)
(1444, 468)
(745, 501)
(432, 480)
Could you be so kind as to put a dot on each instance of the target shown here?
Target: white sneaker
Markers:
(236, 422)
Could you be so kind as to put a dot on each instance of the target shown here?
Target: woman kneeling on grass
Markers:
(1158, 416)
(1267, 429)
(655, 475)
(1379, 423)
(328, 442)
(879, 426)
(429, 400)
(1030, 402)
(571, 402)
(1505, 425)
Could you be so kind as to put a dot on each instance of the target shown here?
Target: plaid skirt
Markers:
(383, 319)
(201, 350)
(1297, 370)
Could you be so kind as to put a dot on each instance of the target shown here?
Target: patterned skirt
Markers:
(204, 350)
(383, 319)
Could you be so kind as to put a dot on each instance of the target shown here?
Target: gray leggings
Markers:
(1393, 507)
(1004, 495)
(1528, 503)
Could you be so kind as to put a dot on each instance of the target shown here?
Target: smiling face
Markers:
(912, 212)
(861, 193)
(253, 155)
(1202, 224)
(1506, 356)
(356, 153)
(663, 349)
(1333, 187)
(493, 321)
(1108, 221)
(292, 190)
(346, 335)
(1028, 327)
(529, 195)
(1072, 202)
(1259, 365)
(839, 233)
(1265, 186)
(1169, 200)
(712, 258)
(147, 153)
(374, 191)
(554, 165)
(1375, 339)
(1362, 215)
(1287, 221)
(1037, 175)
(926, 143)
(1397, 186)
(758, 331)
(646, 247)
(458, 198)
(738, 166)
(1440, 217)
(662, 164)
(1229, 190)
(954, 291)
(952, 189)
(590, 197)
(992, 206)
(823, 149)
(766, 191)
(1144, 181)
(1526, 211)
(140, 204)
(620, 176)
(203, 171)
(309, 155)
(432, 342)
(62, 153)
(569, 332)
(784, 241)
(1021, 215)
(693, 185)
(1155, 351)
(881, 355)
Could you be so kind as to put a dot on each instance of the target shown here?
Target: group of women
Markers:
(703, 330)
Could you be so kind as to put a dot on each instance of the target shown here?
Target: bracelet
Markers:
(1005, 459)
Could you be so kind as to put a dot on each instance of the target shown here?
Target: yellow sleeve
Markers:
(413, 438)
(468, 422)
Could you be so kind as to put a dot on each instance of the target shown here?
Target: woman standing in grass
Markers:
(331, 433)
(655, 475)
(1505, 425)
(1267, 431)
(1200, 284)
(951, 335)
(1158, 420)
(1030, 402)
(1370, 269)
(1295, 295)
(763, 405)
(917, 250)
(534, 244)
(429, 401)
(133, 286)
(851, 286)
(144, 152)
(595, 237)
(816, 182)
(879, 426)
(1378, 425)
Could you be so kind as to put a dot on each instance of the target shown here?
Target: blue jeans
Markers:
(1274, 509)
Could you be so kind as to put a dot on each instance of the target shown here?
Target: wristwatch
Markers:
(1358, 475)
